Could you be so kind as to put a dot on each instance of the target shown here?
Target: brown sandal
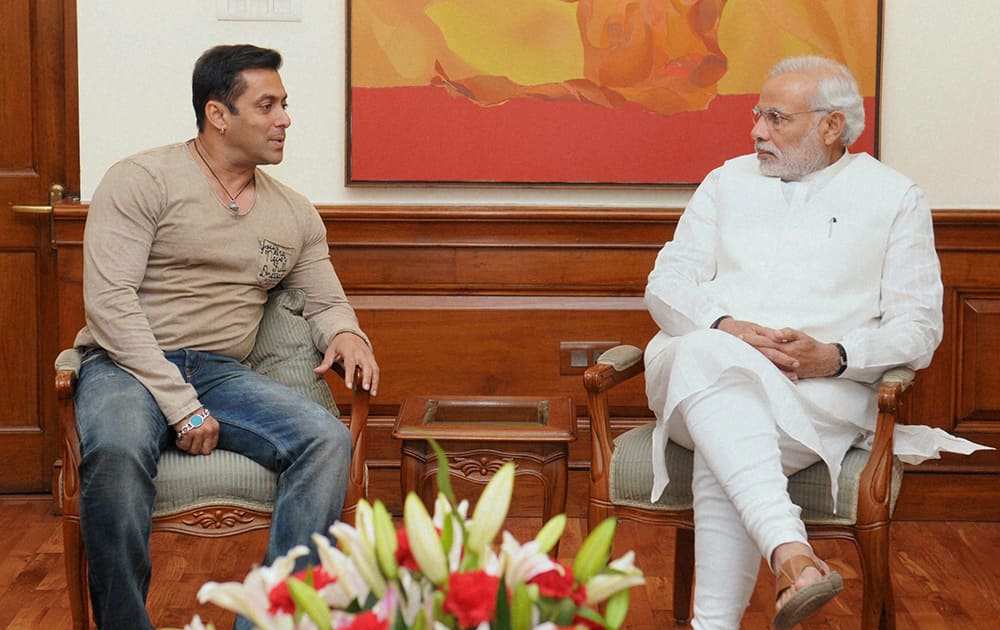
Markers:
(806, 600)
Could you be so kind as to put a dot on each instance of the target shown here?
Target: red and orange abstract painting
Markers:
(578, 92)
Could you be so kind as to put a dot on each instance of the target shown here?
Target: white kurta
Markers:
(846, 255)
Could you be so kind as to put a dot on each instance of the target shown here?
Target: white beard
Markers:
(796, 161)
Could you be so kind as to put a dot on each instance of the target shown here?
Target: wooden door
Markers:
(38, 148)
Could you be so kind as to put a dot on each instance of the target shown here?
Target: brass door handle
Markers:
(55, 196)
(32, 209)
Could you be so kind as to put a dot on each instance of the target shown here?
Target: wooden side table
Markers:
(480, 434)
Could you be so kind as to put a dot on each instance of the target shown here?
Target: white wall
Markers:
(939, 118)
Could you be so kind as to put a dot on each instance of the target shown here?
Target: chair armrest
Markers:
(615, 366)
(876, 477)
(67, 367)
(890, 397)
(357, 487)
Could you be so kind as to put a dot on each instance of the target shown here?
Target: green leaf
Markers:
(308, 601)
(590, 614)
(616, 609)
(443, 473)
(447, 533)
(502, 614)
(595, 551)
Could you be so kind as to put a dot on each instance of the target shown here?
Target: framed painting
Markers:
(590, 93)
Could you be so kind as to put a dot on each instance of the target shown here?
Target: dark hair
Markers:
(218, 75)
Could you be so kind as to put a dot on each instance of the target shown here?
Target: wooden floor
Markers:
(946, 574)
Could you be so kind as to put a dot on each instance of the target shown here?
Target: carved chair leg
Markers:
(76, 574)
(683, 574)
(878, 607)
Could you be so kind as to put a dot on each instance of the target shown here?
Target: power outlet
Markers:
(577, 356)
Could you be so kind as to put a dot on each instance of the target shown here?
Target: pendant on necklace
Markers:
(235, 207)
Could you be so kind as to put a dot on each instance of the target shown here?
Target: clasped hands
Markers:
(792, 351)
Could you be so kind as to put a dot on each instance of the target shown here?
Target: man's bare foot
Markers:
(807, 577)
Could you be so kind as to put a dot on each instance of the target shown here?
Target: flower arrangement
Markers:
(438, 572)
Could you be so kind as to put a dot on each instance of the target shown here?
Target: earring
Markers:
(222, 130)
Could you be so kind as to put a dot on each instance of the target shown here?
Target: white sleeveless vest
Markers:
(833, 245)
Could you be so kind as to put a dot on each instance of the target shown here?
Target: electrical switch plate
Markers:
(260, 10)
(577, 356)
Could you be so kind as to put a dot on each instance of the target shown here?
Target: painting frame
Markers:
(438, 135)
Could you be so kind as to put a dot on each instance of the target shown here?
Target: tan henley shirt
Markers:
(168, 266)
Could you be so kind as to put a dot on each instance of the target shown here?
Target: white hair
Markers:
(836, 90)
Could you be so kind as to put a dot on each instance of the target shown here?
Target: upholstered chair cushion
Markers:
(631, 480)
(284, 349)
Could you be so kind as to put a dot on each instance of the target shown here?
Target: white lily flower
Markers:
(491, 563)
(457, 549)
(491, 508)
(623, 575)
(414, 596)
(424, 542)
(442, 508)
(362, 551)
(350, 584)
(364, 521)
(251, 597)
(523, 562)
(195, 624)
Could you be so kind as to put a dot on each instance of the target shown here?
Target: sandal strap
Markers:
(791, 570)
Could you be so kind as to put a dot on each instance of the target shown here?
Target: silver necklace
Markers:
(235, 207)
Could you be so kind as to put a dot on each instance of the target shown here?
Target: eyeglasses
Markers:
(775, 118)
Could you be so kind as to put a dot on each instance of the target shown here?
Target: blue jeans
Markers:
(122, 433)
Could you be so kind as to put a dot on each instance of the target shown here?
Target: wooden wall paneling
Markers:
(496, 251)
(963, 487)
(476, 300)
(979, 387)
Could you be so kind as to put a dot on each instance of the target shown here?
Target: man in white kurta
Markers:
(796, 277)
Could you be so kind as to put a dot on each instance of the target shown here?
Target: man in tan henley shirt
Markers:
(182, 244)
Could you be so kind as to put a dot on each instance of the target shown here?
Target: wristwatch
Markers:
(843, 360)
(193, 422)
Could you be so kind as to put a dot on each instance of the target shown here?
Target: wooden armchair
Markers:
(621, 481)
(223, 494)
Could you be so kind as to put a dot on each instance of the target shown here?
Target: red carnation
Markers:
(404, 557)
(367, 621)
(472, 597)
(281, 599)
(559, 584)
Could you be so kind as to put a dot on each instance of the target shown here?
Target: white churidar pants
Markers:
(742, 510)
(749, 427)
